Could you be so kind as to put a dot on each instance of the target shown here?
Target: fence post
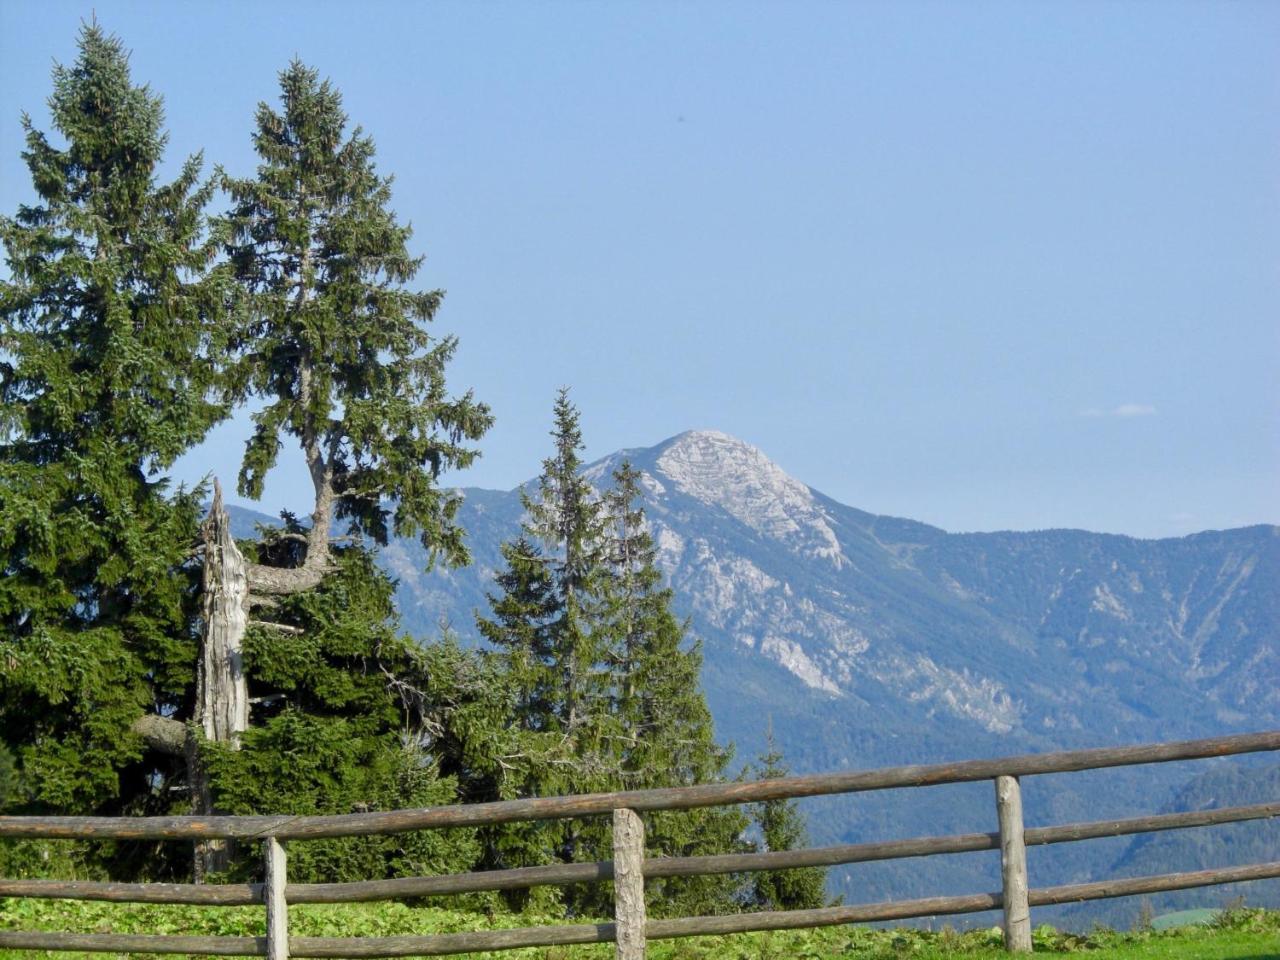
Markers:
(273, 894)
(1013, 866)
(628, 884)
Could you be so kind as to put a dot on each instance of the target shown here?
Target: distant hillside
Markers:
(870, 641)
(1228, 785)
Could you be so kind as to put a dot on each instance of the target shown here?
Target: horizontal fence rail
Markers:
(231, 895)
(674, 798)
(632, 929)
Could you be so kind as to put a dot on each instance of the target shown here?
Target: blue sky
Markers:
(985, 265)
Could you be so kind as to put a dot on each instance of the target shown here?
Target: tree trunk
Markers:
(222, 692)
(282, 581)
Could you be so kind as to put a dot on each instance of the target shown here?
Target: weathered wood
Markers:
(631, 867)
(162, 734)
(940, 906)
(773, 860)
(1165, 821)
(1134, 886)
(676, 798)
(284, 581)
(133, 943)
(958, 843)
(514, 879)
(822, 916)
(207, 894)
(277, 909)
(628, 884)
(222, 690)
(1013, 866)
(714, 864)
(279, 628)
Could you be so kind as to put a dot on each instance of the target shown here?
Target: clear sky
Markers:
(987, 265)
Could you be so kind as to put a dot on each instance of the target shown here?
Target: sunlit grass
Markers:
(1239, 935)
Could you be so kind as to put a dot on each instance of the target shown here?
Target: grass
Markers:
(1240, 934)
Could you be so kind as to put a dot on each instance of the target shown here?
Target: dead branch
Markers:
(282, 627)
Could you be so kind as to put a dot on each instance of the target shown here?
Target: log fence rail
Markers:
(629, 867)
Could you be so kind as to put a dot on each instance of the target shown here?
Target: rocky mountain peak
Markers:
(720, 470)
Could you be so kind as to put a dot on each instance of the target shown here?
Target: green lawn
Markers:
(1239, 935)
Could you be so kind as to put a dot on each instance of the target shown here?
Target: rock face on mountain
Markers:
(867, 641)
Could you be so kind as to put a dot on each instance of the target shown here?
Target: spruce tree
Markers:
(8, 778)
(545, 622)
(107, 334)
(604, 692)
(668, 738)
(566, 519)
(110, 334)
(782, 827)
(552, 646)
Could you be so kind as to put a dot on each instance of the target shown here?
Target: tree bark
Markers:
(628, 884)
(1013, 866)
(222, 706)
(273, 894)
(281, 581)
(162, 734)
(222, 691)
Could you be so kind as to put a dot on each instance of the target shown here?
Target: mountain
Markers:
(866, 640)
(1022, 640)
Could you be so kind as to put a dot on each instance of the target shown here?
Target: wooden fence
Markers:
(629, 867)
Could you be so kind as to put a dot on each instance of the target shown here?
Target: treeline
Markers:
(149, 664)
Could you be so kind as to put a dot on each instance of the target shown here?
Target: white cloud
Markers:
(1124, 410)
(1134, 410)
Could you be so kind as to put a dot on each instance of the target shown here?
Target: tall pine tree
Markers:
(565, 519)
(107, 333)
(604, 691)
(552, 647)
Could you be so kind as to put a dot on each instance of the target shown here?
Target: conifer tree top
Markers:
(333, 341)
(106, 330)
